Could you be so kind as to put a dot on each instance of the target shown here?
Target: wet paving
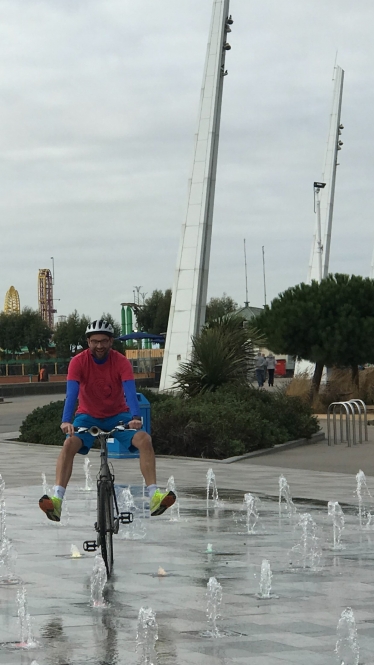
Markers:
(296, 625)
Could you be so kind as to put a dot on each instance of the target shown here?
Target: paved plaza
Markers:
(297, 626)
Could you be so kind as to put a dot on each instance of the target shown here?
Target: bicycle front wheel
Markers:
(106, 524)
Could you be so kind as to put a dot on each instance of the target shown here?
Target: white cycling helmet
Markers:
(100, 326)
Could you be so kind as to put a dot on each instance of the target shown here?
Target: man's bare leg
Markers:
(143, 442)
(64, 466)
(51, 505)
(159, 501)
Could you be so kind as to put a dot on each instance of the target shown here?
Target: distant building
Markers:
(249, 312)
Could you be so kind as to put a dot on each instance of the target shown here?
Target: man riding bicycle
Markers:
(103, 381)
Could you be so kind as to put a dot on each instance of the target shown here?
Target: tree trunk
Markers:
(355, 376)
(316, 381)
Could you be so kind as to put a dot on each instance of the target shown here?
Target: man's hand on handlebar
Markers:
(135, 424)
(67, 428)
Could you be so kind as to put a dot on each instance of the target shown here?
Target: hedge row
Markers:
(230, 421)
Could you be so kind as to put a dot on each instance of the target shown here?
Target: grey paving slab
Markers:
(297, 627)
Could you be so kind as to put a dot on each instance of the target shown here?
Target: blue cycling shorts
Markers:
(106, 424)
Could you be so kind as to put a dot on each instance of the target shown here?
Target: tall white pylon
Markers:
(372, 267)
(327, 194)
(187, 311)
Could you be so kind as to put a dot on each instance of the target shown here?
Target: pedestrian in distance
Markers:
(270, 365)
(103, 382)
(260, 369)
(43, 373)
(265, 367)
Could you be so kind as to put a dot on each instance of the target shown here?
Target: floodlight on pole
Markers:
(317, 208)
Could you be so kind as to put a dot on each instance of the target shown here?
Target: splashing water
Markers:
(147, 636)
(307, 552)
(211, 483)
(174, 510)
(8, 554)
(27, 640)
(252, 504)
(214, 594)
(65, 515)
(347, 648)
(98, 582)
(285, 493)
(136, 530)
(8, 557)
(2, 510)
(265, 580)
(365, 501)
(87, 472)
(74, 552)
(45, 488)
(209, 548)
(334, 511)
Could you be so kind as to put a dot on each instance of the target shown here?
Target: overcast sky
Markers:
(99, 102)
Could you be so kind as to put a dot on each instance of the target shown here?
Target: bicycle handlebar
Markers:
(95, 431)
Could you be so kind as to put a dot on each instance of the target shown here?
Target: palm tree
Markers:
(222, 353)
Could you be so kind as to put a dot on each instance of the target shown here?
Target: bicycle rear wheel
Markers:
(106, 524)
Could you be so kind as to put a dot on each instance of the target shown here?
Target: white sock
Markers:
(59, 492)
(151, 490)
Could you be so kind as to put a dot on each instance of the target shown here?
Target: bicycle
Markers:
(108, 516)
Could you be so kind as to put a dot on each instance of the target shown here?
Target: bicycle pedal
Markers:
(90, 545)
(126, 518)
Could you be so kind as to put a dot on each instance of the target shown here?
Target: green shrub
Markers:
(43, 425)
(153, 396)
(230, 421)
(233, 420)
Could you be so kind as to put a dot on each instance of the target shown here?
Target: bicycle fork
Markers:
(121, 517)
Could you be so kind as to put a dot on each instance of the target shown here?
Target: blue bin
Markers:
(145, 412)
(115, 448)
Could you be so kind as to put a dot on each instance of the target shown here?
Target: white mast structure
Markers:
(320, 254)
(187, 312)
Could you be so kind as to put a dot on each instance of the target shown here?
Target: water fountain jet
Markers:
(265, 581)
(98, 582)
(252, 504)
(285, 493)
(174, 510)
(27, 640)
(87, 472)
(136, 530)
(211, 483)
(334, 511)
(147, 636)
(307, 552)
(347, 649)
(362, 491)
(74, 552)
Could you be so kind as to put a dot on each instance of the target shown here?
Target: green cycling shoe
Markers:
(51, 506)
(160, 502)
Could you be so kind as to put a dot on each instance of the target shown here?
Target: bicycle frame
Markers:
(105, 475)
(106, 495)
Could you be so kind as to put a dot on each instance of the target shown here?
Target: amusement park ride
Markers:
(12, 304)
(45, 296)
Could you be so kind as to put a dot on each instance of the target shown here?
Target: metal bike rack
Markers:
(349, 410)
